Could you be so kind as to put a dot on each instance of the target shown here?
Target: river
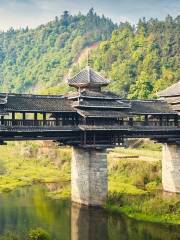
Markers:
(29, 208)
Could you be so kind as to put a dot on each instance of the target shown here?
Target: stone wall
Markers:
(171, 168)
(89, 176)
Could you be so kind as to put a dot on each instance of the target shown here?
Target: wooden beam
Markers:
(94, 138)
(85, 138)
(13, 118)
(2, 120)
(24, 115)
(44, 119)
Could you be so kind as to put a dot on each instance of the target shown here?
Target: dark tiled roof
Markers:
(87, 77)
(176, 107)
(94, 95)
(173, 90)
(101, 104)
(150, 107)
(138, 107)
(39, 103)
(102, 113)
(173, 100)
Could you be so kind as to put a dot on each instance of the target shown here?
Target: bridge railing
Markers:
(56, 123)
(135, 123)
(34, 123)
(151, 123)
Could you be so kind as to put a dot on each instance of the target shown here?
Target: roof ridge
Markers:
(99, 75)
(89, 73)
(76, 74)
(86, 77)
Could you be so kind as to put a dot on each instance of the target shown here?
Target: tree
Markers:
(142, 88)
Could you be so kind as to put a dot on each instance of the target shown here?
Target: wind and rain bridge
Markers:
(92, 120)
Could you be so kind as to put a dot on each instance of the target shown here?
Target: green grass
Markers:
(135, 187)
(63, 193)
(17, 170)
(134, 179)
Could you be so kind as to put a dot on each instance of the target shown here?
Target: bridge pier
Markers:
(89, 176)
(171, 168)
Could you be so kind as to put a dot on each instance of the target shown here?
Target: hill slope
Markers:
(142, 60)
(139, 60)
(40, 58)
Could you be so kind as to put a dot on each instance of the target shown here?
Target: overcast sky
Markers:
(22, 13)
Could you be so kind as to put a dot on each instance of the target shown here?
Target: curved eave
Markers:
(91, 97)
(100, 107)
(89, 115)
(38, 111)
(83, 85)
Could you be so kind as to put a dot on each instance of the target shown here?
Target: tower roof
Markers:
(87, 78)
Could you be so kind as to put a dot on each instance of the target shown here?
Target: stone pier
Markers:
(171, 168)
(89, 176)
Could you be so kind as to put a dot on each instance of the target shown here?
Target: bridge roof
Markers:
(102, 113)
(173, 90)
(128, 108)
(150, 107)
(36, 103)
(103, 104)
(85, 93)
(87, 77)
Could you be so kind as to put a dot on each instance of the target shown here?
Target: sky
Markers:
(31, 13)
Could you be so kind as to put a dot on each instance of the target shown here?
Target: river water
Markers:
(29, 208)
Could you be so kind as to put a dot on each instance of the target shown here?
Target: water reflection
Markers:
(88, 223)
(96, 224)
(29, 208)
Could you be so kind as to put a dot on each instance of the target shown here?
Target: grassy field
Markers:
(16, 170)
(134, 179)
(135, 186)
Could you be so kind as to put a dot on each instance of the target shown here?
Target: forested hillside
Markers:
(138, 60)
(32, 60)
(142, 60)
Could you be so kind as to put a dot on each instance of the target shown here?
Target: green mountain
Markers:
(141, 60)
(33, 60)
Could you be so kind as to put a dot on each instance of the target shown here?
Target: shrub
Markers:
(38, 234)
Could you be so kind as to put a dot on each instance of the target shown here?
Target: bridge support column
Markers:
(89, 176)
(171, 168)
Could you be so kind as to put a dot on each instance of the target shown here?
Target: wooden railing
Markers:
(150, 123)
(55, 123)
(35, 123)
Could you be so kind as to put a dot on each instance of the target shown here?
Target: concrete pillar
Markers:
(89, 176)
(88, 223)
(171, 168)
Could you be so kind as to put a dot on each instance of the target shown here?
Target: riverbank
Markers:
(18, 169)
(135, 186)
(134, 180)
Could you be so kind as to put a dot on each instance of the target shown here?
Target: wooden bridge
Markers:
(90, 120)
